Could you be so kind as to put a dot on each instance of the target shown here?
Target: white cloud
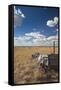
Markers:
(22, 15)
(53, 38)
(35, 35)
(18, 17)
(22, 38)
(35, 39)
(57, 29)
(56, 20)
(19, 11)
(52, 23)
(50, 39)
(22, 41)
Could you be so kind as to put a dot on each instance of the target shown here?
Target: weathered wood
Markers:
(53, 61)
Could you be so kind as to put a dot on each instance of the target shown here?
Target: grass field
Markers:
(28, 70)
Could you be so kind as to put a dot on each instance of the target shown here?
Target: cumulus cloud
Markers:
(18, 17)
(36, 35)
(35, 39)
(52, 23)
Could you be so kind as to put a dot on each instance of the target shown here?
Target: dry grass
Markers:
(27, 70)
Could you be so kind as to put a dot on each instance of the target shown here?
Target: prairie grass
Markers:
(28, 70)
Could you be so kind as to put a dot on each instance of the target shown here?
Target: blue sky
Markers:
(35, 26)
